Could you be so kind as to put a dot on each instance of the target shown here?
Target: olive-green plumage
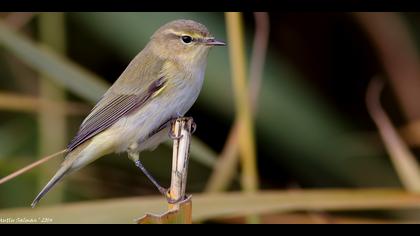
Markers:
(161, 83)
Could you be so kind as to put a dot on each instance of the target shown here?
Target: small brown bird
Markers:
(160, 84)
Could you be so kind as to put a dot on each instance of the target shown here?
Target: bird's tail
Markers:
(54, 180)
(75, 160)
(65, 169)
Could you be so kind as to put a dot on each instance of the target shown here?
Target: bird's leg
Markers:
(134, 156)
(161, 189)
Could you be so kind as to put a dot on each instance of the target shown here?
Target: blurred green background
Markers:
(312, 126)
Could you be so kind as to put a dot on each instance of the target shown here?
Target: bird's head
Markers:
(183, 40)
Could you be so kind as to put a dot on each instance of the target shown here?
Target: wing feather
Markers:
(109, 110)
(130, 92)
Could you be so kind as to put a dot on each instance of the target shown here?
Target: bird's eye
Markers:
(186, 39)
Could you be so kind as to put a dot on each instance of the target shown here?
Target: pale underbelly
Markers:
(136, 129)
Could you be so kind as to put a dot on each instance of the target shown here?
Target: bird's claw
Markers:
(193, 127)
(166, 192)
(173, 136)
(170, 200)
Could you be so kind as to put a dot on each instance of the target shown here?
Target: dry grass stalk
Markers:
(225, 169)
(403, 160)
(26, 103)
(30, 167)
(181, 210)
(249, 176)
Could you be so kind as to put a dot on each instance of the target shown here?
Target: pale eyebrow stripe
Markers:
(171, 31)
(179, 34)
(194, 39)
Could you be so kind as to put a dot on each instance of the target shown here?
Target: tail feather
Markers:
(75, 160)
(54, 180)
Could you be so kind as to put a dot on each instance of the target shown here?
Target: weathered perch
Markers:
(180, 211)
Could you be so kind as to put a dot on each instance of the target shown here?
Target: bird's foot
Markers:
(172, 134)
(193, 127)
(170, 200)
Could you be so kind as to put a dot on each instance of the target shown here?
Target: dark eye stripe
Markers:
(177, 36)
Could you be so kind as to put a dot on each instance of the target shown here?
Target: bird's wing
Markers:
(120, 100)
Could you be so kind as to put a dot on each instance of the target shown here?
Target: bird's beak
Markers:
(214, 42)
